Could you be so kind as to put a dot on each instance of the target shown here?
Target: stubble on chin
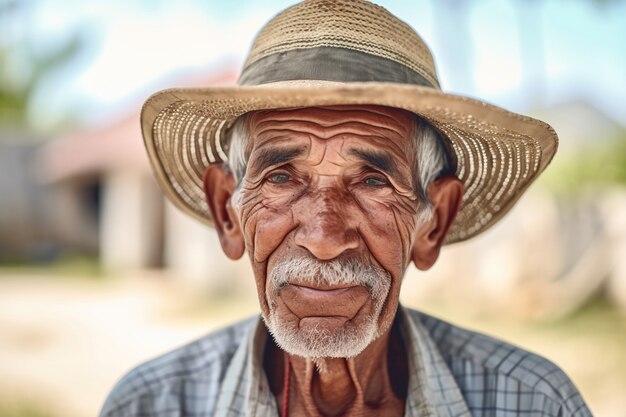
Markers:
(345, 341)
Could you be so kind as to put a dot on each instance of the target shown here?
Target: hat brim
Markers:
(499, 153)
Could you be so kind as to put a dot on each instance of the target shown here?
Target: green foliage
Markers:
(23, 65)
(23, 409)
(591, 165)
(74, 266)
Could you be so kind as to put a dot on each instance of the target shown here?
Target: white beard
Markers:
(347, 341)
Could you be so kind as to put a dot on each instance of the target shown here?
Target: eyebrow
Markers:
(273, 156)
(380, 160)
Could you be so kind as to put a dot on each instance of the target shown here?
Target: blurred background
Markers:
(98, 272)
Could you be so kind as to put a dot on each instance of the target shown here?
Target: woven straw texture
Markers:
(350, 24)
(499, 153)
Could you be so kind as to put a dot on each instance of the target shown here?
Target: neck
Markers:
(374, 382)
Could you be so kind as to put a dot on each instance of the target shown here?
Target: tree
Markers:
(22, 67)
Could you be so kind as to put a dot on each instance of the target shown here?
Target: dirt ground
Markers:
(64, 342)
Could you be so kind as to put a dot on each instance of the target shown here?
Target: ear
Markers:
(445, 194)
(219, 186)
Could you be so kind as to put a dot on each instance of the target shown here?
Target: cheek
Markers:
(266, 220)
(389, 232)
(389, 229)
(272, 228)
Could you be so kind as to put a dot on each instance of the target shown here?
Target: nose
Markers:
(325, 229)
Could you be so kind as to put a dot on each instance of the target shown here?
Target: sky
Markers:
(519, 54)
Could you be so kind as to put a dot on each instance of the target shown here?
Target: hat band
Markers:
(329, 64)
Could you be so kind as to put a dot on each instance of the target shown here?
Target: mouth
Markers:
(324, 300)
(322, 287)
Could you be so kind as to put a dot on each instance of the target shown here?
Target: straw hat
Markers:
(332, 52)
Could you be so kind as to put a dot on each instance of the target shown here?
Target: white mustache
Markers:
(347, 272)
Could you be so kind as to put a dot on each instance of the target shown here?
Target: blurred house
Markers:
(24, 234)
(135, 227)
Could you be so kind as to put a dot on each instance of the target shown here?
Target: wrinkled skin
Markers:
(333, 183)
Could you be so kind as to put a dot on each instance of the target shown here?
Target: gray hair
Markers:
(433, 156)
(346, 342)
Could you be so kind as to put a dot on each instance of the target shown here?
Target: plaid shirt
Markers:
(452, 372)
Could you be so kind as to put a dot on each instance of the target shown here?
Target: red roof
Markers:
(114, 145)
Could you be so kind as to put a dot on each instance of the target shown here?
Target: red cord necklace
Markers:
(286, 386)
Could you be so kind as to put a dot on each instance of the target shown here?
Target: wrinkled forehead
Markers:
(375, 116)
(376, 126)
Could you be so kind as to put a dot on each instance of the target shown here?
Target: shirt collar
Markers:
(432, 389)
(245, 390)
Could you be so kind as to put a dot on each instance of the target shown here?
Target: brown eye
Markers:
(279, 178)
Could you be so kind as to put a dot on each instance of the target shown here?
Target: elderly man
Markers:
(335, 163)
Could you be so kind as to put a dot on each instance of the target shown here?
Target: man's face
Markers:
(329, 213)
